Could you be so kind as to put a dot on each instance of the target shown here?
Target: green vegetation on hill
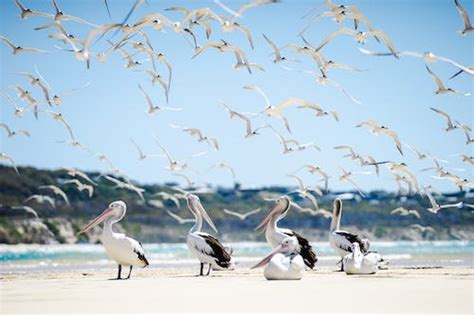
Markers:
(370, 216)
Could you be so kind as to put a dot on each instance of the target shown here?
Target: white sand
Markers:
(445, 290)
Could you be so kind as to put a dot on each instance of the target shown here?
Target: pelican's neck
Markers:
(272, 225)
(358, 257)
(198, 223)
(271, 230)
(336, 218)
(107, 230)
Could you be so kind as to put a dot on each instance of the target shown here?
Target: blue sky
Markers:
(111, 110)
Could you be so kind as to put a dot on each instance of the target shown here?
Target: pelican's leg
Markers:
(130, 272)
(342, 265)
(119, 272)
(202, 267)
(208, 270)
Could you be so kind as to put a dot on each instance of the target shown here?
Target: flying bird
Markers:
(435, 206)
(59, 117)
(427, 57)
(141, 155)
(361, 38)
(167, 196)
(123, 185)
(57, 191)
(188, 180)
(60, 16)
(422, 229)
(442, 89)
(465, 18)
(180, 219)
(18, 49)
(226, 166)
(449, 123)
(6, 157)
(80, 186)
(276, 50)
(26, 13)
(41, 199)
(195, 132)
(378, 129)
(249, 131)
(405, 212)
(346, 176)
(242, 216)
(174, 165)
(12, 133)
(152, 108)
(27, 209)
(75, 173)
(316, 169)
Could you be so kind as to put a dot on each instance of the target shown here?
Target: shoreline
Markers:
(434, 290)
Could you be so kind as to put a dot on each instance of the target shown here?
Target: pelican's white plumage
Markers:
(206, 248)
(275, 235)
(341, 241)
(124, 250)
(284, 262)
(358, 263)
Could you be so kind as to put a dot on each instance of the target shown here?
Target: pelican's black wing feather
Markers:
(306, 250)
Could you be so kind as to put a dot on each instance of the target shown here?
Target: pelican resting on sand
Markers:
(284, 262)
(357, 263)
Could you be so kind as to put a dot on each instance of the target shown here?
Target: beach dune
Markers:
(446, 290)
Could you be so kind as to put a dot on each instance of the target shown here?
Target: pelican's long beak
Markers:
(267, 218)
(206, 216)
(279, 249)
(104, 215)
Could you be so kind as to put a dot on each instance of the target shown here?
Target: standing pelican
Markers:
(341, 241)
(359, 263)
(276, 235)
(204, 246)
(124, 250)
(284, 262)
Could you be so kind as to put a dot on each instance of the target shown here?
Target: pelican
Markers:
(204, 246)
(341, 241)
(284, 262)
(276, 235)
(124, 250)
(358, 263)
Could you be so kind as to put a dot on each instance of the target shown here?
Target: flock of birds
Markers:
(291, 252)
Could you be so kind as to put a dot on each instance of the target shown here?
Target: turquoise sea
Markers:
(85, 257)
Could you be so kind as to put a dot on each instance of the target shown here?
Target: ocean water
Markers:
(86, 257)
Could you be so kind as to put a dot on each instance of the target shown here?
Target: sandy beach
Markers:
(397, 290)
